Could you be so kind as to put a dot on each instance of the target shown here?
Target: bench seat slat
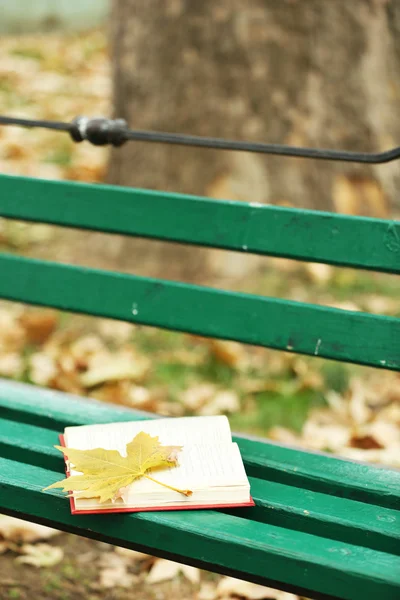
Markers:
(263, 460)
(234, 544)
(281, 324)
(268, 230)
(277, 504)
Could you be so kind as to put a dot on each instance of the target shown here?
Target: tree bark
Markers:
(307, 73)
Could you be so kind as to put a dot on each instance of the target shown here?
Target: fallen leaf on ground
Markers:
(114, 572)
(12, 335)
(3, 547)
(17, 530)
(207, 591)
(381, 305)
(140, 397)
(225, 401)
(118, 331)
(163, 570)
(319, 273)
(132, 555)
(112, 367)
(229, 353)
(84, 347)
(40, 555)
(38, 324)
(42, 368)
(320, 436)
(197, 396)
(11, 365)
(106, 474)
(364, 441)
(359, 410)
(283, 435)
(229, 587)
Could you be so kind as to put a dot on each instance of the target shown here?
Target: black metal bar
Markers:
(58, 125)
(101, 131)
(279, 149)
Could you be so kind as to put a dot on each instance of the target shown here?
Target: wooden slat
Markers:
(277, 504)
(317, 472)
(54, 410)
(322, 473)
(223, 543)
(267, 230)
(324, 515)
(303, 328)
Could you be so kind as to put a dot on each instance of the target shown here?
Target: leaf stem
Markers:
(170, 487)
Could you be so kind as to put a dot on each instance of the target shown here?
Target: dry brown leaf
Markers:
(223, 402)
(307, 378)
(283, 435)
(319, 273)
(359, 411)
(320, 436)
(11, 365)
(116, 392)
(381, 305)
(386, 434)
(391, 414)
(197, 396)
(17, 530)
(229, 587)
(284, 265)
(168, 408)
(191, 358)
(132, 555)
(338, 405)
(139, 397)
(114, 572)
(164, 570)
(40, 555)
(38, 325)
(113, 367)
(311, 381)
(364, 441)
(229, 353)
(12, 335)
(91, 173)
(67, 382)
(42, 368)
(117, 331)
(85, 347)
(208, 591)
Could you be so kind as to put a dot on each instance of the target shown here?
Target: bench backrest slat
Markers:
(358, 242)
(281, 324)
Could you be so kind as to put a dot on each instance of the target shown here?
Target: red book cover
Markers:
(122, 509)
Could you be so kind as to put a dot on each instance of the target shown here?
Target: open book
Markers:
(209, 464)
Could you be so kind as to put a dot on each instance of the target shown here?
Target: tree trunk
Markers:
(307, 73)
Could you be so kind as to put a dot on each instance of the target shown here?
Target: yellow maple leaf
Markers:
(105, 473)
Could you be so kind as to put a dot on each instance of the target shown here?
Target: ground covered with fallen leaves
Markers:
(347, 410)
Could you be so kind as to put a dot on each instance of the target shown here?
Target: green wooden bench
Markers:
(322, 527)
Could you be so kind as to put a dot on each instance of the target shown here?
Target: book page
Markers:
(200, 467)
(174, 431)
